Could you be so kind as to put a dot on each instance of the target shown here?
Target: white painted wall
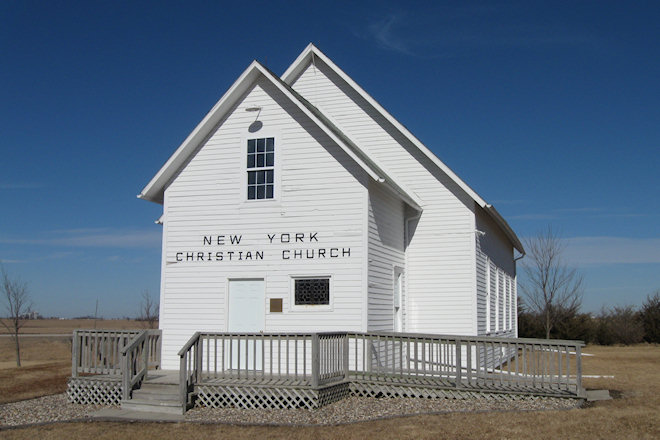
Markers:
(386, 252)
(494, 258)
(440, 259)
(320, 190)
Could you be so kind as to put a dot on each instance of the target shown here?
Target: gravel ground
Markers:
(354, 409)
(359, 409)
(53, 408)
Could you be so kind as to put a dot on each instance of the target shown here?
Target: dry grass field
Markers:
(46, 366)
(46, 360)
(62, 326)
(634, 414)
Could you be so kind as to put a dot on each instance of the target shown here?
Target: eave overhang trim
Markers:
(312, 51)
(154, 190)
(490, 209)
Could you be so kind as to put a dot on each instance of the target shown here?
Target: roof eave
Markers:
(374, 170)
(296, 68)
(153, 191)
(312, 50)
(490, 209)
(381, 175)
(298, 65)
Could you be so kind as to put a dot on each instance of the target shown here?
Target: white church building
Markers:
(299, 204)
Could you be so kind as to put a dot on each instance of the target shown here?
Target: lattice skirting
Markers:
(89, 390)
(245, 396)
(374, 389)
(94, 391)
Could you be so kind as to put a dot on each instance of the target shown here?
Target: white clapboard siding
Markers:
(320, 190)
(386, 252)
(440, 259)
(494, 259)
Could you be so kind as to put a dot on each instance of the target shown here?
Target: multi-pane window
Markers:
(488, 297)
(260, 168)
(312, 291)
(500, 299)
(505, 303)
(493, 296)
(498, 292)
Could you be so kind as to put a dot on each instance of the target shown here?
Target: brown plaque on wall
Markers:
(276, 305)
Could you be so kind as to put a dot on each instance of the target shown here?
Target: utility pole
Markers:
(96, 311)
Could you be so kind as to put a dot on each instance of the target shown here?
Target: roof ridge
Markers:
(153, 191)
(295, 69)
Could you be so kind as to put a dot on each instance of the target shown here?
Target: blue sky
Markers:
(549, 110)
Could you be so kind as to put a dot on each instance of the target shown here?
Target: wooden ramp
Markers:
(287, 370)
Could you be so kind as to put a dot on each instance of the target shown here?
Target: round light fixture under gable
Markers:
(257, 124)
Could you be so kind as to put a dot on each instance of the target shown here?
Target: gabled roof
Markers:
(154, 190)
(306, 57)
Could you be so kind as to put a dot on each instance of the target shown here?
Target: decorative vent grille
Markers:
(314, 291)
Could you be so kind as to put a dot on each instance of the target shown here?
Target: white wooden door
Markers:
(247, 314)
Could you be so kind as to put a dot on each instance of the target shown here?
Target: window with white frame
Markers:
(488, 298)
(505, 301)
(498, 291)
(512, 303)
(493, 296)
(260, 168)
(500, 299)
(311, 291)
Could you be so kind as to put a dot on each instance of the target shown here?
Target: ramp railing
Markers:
(507, 364)
(314, 360)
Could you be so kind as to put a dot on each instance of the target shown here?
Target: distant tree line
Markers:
(615, 325)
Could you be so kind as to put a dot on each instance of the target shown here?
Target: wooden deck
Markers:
(311, 370)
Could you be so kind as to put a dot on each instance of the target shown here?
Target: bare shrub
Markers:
(650, 317)
(552, 289)
(17, 305)
(148, 310)
(580, 326)
(619, 325)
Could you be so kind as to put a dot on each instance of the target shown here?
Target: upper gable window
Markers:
(260, 168)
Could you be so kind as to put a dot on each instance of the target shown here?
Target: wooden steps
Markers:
(155, 398)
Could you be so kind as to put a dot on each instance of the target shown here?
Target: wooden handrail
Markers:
(114, 352)
(570, 343)
(109, 330)
(97, 351)
(189, 344)
(466, 362)
(154, 341)
(187, 379)
(130, 353)
(550, 367)
(134, 342)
